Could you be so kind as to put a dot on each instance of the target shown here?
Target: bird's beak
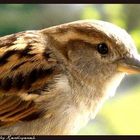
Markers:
(129, 65)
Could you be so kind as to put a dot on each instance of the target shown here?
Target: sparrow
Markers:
(54, 80)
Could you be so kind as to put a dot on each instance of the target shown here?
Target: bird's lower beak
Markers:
(129, 65)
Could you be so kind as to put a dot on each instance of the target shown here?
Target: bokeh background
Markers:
(120, 114)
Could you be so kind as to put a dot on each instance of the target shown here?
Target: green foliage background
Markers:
(120, 114)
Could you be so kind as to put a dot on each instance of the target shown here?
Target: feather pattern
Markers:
(52, 81)
(26, 68)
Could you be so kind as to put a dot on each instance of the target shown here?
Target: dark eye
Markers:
(102, 48)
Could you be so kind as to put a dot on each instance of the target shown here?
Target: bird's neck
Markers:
(76, 103)
(89, 94)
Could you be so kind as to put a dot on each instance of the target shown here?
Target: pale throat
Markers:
(90, 98)
(112, 84)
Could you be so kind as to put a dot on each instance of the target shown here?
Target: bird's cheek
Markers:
(109, 69)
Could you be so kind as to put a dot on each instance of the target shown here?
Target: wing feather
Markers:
(26, 67)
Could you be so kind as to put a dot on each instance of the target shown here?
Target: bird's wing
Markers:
(26, 67)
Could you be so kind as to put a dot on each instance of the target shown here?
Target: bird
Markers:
(53, 81)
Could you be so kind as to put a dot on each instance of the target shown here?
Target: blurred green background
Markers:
(121, 113)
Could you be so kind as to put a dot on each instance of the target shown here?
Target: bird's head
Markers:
(96, 52)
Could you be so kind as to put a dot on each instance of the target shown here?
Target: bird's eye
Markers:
(102, 48)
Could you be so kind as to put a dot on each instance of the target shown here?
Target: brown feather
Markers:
(26, 67)
(54, 80)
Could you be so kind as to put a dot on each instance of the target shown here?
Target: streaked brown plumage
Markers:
(52, 81)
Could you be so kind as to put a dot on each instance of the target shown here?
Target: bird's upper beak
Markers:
(130, 65)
